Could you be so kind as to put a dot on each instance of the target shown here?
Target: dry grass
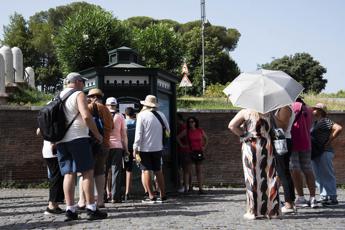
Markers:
(222, 103)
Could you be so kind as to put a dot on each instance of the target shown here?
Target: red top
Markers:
(195, 138)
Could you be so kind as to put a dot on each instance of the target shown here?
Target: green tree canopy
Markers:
(159, 47)
(86, 37)
(18, 34)
(303, 68)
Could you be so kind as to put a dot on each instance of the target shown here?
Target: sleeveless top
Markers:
(195, 138)
(78, 128)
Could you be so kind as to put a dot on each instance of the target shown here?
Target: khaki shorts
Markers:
(301, 161)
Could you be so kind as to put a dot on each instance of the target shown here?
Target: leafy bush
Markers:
(215, 90)
(25, 95)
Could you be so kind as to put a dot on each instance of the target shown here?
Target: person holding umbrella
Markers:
(260, 92)
(258, 163)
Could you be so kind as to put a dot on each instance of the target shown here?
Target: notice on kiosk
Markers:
(122, 107)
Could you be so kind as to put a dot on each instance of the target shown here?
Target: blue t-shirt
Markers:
(130, 132)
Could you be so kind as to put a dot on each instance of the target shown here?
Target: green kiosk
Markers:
(129, 82)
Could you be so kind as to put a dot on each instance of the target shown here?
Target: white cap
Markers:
(111, 101)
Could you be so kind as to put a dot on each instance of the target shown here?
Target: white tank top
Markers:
(78, 128)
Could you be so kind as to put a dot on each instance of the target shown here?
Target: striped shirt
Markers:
(321, 130)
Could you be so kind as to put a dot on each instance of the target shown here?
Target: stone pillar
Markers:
(3, 95)
(30, 76)
(18, 64)
(9, 74)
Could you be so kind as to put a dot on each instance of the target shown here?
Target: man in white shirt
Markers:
(74, 152)
(149, 145)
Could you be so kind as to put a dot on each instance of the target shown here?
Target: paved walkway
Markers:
(218, 209)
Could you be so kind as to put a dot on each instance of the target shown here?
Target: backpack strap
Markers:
(69, 93)
(63, 99)
(162, 123)
(160, 119)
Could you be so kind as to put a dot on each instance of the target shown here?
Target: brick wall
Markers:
(21, 158)
(20, 148)
(223, 156)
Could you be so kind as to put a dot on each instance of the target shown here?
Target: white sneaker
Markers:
(249, 216)
(286, 210)
(313, 203)
(301, 202)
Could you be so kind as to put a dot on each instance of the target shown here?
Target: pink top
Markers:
(115, 135)
(195, 138)
(300, 131)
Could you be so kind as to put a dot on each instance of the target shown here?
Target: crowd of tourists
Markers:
(308, 134)
(101, 144)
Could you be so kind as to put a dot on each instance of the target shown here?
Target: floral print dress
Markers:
(259, 168)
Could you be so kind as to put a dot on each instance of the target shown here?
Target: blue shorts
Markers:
(75, 156)
(151, 161)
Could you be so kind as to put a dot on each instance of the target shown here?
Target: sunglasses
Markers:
(191, 121)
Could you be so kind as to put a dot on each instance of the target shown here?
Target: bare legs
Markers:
(87, 184)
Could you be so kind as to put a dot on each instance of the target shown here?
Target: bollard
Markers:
(18, 64)
(30, 76)
(9, 73)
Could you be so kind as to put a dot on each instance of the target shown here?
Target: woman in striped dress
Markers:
(258, 163)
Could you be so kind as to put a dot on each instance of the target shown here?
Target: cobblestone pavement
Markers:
(220, 208)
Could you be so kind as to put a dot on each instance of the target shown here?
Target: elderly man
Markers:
(148, 145)
(73, 150)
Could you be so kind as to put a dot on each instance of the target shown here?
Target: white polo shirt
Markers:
(148, 132)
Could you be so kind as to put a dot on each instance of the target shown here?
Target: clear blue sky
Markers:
(270, 28)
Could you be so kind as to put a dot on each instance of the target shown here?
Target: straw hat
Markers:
(150, 101)
(95, 92)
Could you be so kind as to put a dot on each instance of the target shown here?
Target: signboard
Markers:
(122, 107)
(185, 82)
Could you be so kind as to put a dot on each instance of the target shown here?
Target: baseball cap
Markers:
(73, 77)
(111, 101)
(321, 106)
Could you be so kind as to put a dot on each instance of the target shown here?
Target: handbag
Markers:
(278, 139)
(197, 156)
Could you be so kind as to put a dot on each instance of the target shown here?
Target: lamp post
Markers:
(203, 19)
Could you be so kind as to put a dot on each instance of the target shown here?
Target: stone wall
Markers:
(21, 158)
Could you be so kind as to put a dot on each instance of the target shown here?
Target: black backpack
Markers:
(52, 119)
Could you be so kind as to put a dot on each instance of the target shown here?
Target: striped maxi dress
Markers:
(259, 169)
